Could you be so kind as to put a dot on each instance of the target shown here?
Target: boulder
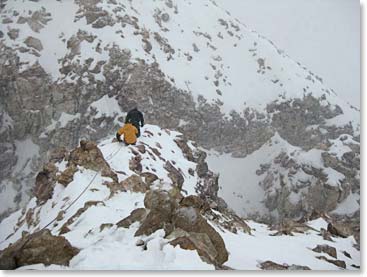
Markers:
(141, 148)
(89, 156)
(136, 215)
(160, 200)
(104, 226)
(134, 183)
(135, 164)
(59, 154)
(325, 234)
(193, 201)
(149, 177)
(161, 205)
(34, 43)
(338, 263)
(199, 242)
(67, 176)
(189, 220)
(270, 265)
(114, 187)
(45, 183)
(338, 230)
(154, 221)
(38, 248)
(331, 251)
(13, 33)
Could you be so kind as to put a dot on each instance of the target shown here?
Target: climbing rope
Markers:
(33, 235)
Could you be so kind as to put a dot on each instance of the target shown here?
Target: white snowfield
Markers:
(115, 248)
(198, 45)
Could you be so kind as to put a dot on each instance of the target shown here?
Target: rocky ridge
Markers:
(95, 193)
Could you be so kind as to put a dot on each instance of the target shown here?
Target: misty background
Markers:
(324, 35)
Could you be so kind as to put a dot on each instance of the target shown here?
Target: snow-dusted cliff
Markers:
(285, 145)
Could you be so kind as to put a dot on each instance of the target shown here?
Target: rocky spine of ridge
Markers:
(183, 218)
(187, 220)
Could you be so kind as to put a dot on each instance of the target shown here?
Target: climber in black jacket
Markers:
(136, 118)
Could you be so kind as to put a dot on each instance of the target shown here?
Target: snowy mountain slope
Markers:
(290, 183)
(74, 68)
(88, 213)
(231, 63)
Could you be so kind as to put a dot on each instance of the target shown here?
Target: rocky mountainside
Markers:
(158, 202)
(72, 69)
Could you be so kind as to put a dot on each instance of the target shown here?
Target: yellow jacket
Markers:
(129, 131)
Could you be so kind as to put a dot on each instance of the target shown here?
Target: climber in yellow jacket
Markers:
(130, 133)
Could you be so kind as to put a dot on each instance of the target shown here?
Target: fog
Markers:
(323, 35)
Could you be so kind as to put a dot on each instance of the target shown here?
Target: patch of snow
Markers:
(7, 196)
(334, 178)
(6, 122)
(339, 147)
(349, 205)
(238, 181)
(26, 150)
(63, 120)
(246, 252)
(106, 106)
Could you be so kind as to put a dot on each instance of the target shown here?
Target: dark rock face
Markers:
(41, 247)
(293, 117)
(45, 182)
(313, 191)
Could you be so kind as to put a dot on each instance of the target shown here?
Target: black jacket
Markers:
(135, 117)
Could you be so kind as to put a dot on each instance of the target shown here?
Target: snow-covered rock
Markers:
(168, 226)
(70, 70)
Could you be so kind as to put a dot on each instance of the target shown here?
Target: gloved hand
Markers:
(118, 137)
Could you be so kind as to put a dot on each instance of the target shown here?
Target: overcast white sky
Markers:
(324, 35)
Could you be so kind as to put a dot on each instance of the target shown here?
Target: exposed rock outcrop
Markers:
(41, 247)
(165, 212)
(89, 156)
(269, 265)
(45, 182)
